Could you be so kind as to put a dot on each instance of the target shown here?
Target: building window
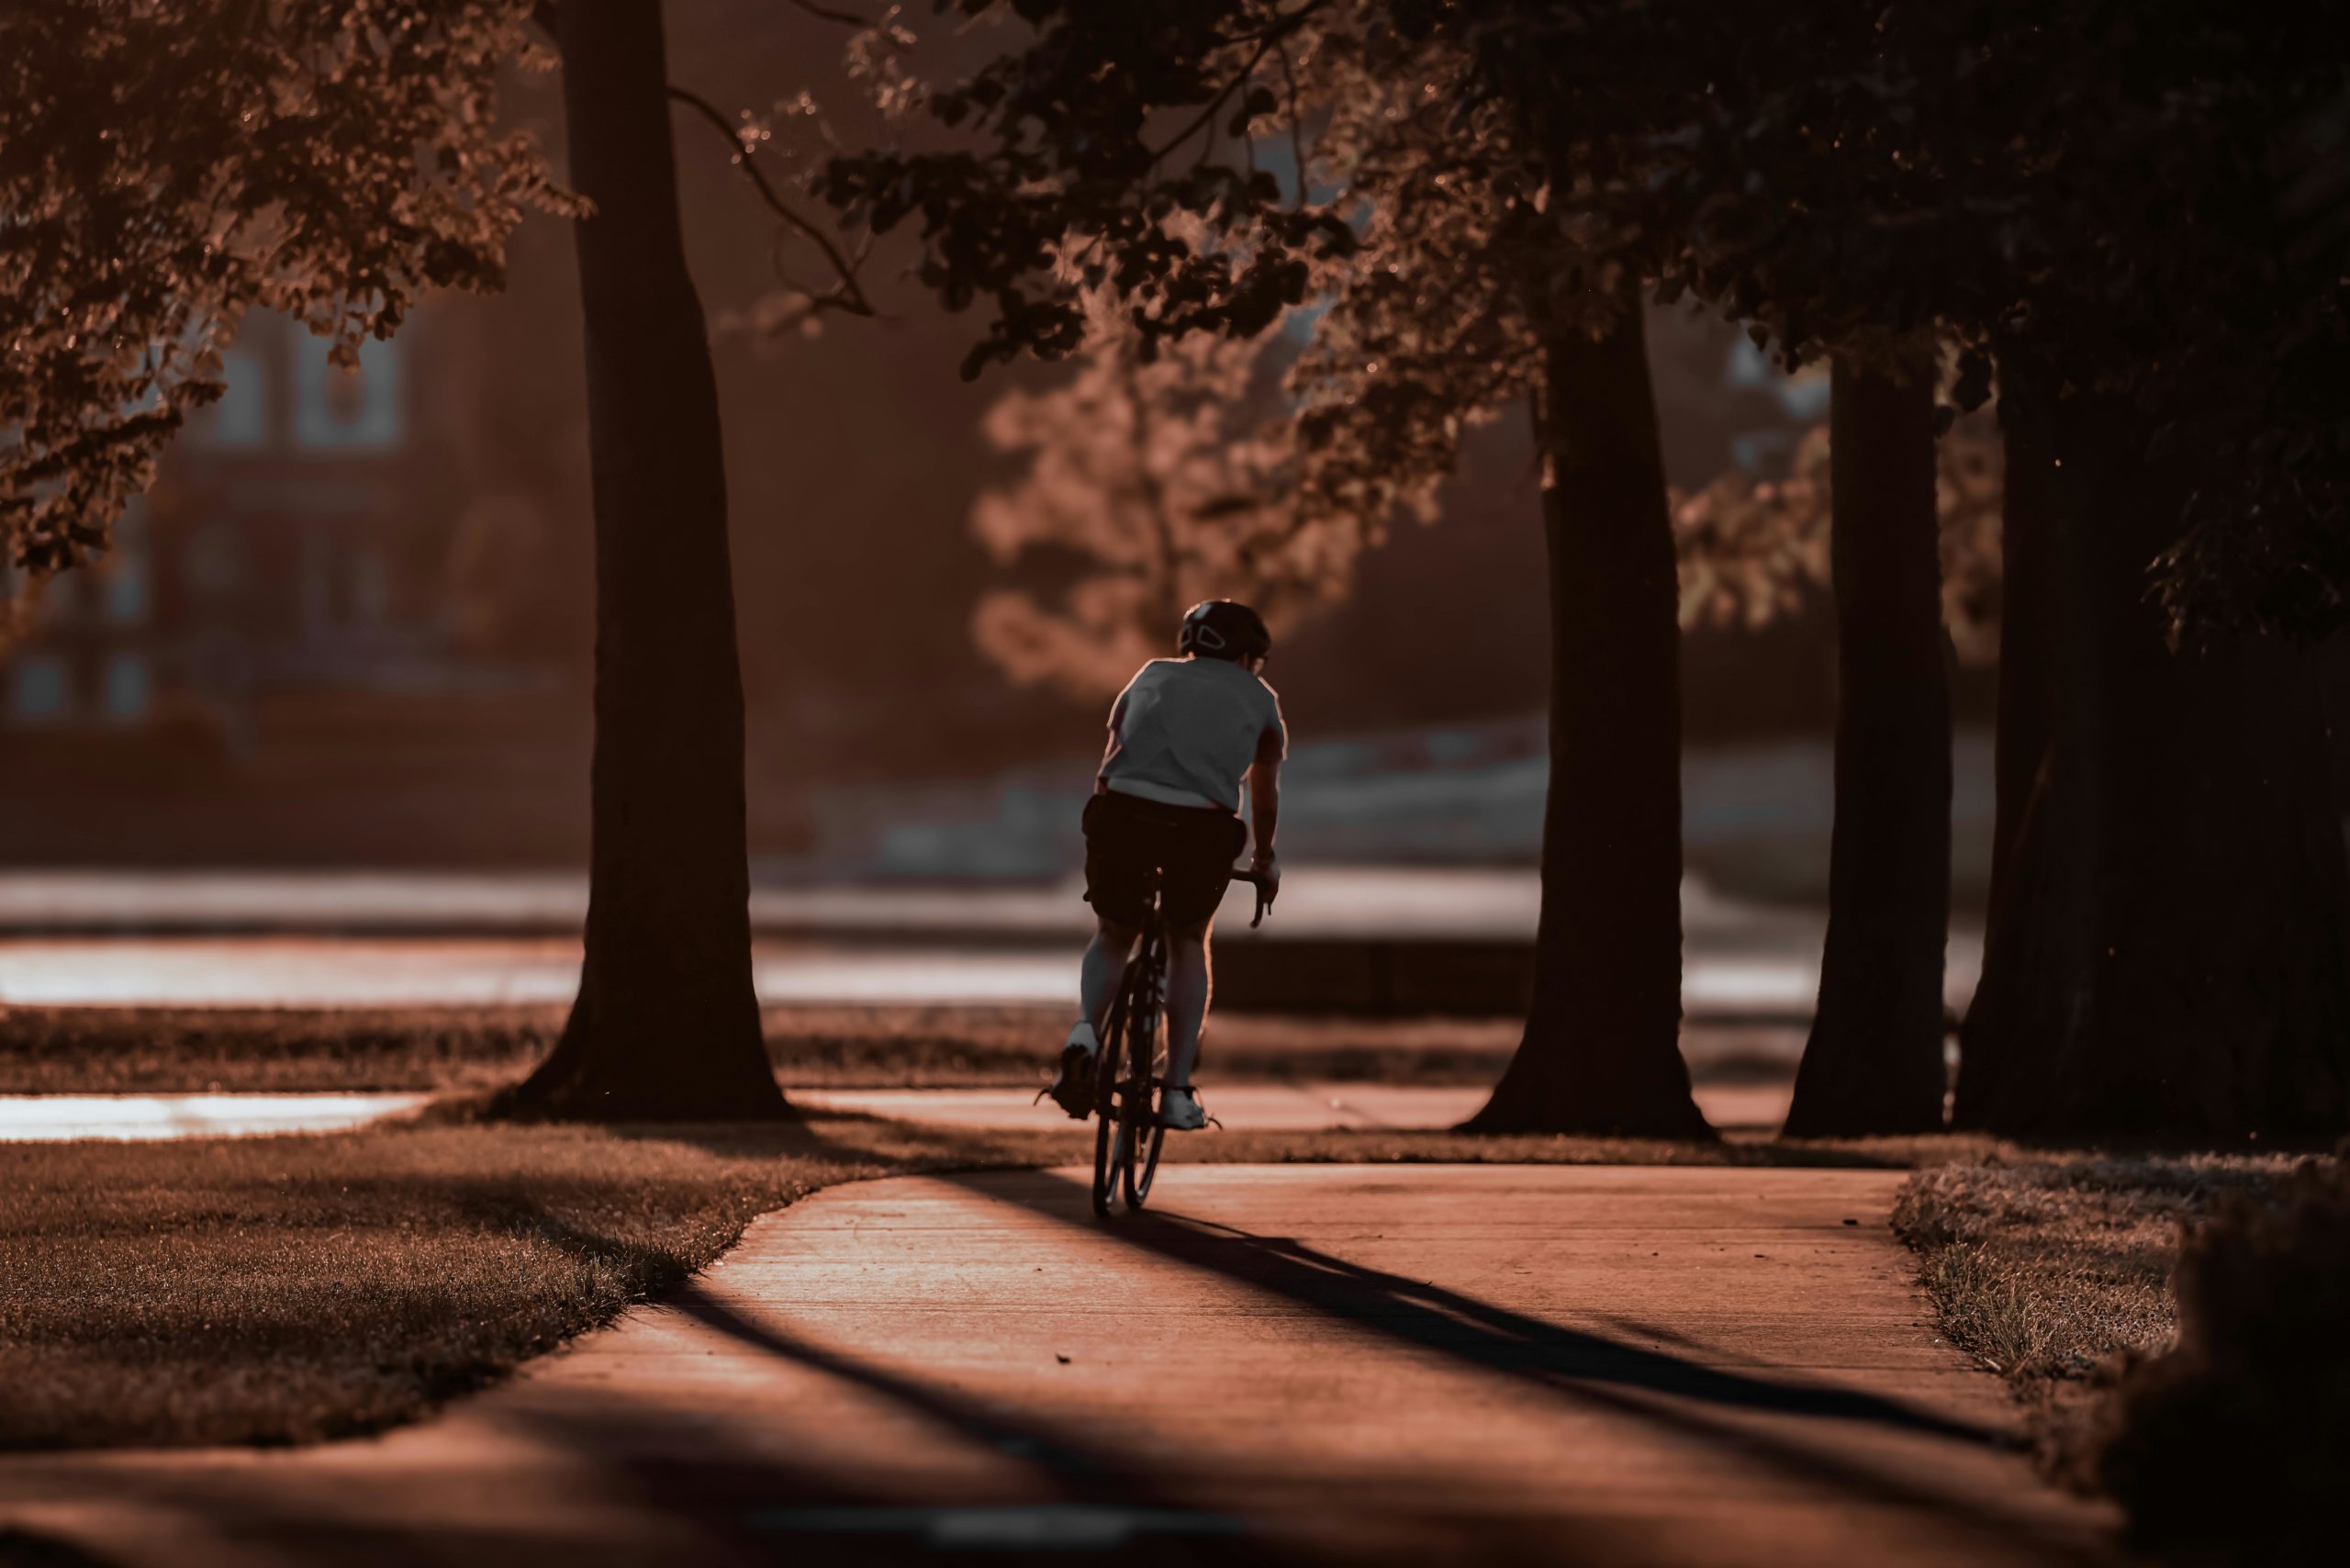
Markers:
(339, 410)
(127, 590)
(241, 416)
(125, 689)
(61, 598)
(40, 690)
(126, 567)
(371, 589)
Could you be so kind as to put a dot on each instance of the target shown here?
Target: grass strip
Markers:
(114, 1050)
(2053, 1270)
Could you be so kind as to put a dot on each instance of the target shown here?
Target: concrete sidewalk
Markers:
(1275, 1107)
(1596, 1365)
(1239, 1107)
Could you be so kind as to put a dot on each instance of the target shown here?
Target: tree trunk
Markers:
(1601, 1052)
(2029, 613)
(1874, 1061)
(2167, 957)
(665, 1025)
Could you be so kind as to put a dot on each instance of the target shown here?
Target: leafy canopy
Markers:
(168, 165)
(2144, 203)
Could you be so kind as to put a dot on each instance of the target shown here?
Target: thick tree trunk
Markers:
(665, 1025)
(1601, 1052)
(1874, 1061)
(2029, 613)
(2167, 957)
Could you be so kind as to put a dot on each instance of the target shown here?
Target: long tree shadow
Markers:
(33, 1548)
(1494, 1336)
(1083, 1499)
(1651, 1387)
(785, 1493)
(1076, 1469)
(1081, 1496)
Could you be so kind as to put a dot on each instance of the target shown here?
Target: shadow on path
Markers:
(30, 1549)
(1085, 1499)
(1649, 1386)
(1427, 1315)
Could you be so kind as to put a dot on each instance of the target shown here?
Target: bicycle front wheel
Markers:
(1142, 1162)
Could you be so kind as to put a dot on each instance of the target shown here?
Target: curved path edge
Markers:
(1594, 1364)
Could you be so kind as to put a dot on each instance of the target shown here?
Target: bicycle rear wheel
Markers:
(1107, 1123)
(1144, 1134)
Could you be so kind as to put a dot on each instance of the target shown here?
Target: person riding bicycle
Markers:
(1183, 736)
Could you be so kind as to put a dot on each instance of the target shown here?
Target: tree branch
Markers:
(1265, 38)
(849, 295)
(1296, 129)
(845, 18)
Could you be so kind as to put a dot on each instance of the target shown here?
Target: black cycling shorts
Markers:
(1192, 848)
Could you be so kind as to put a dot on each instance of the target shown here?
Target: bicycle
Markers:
(1127, 1133)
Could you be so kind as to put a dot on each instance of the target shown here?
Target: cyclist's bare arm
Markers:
(1110, 747)
(1265, 798)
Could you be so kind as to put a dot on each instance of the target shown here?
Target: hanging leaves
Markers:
(165, 168)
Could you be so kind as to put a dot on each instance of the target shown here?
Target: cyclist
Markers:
(1183, 735)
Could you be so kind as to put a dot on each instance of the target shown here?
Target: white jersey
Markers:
(1185, 731)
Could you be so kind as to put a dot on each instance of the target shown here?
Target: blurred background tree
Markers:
(1151, 485)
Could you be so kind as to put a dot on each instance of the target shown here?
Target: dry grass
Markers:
(2233, 1446)
(2051, 1269)
(95, 1050)
(121, 1050)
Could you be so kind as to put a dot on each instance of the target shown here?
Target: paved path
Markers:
(47, 1118)
(1321, 899)
(1277, 1107)
(501, 972)
(388, 939)
(1252, 1107)
(1608, 1366)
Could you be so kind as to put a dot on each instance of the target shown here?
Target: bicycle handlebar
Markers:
(1268, 889)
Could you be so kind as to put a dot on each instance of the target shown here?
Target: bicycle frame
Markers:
(1126, 1079)
(1128, 1135)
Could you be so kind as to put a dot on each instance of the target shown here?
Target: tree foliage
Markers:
(1754, 549)
(1217, 168)
(2144, 201)
(167, 167)
(2124, 201)
(1153, 484)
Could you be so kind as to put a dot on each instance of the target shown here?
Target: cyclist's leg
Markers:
(1117, 884)
(1197, 870)
(1105, 964)
(1119, 864)
(1187, 999)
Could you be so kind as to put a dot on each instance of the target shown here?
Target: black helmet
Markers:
(1224, 629)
